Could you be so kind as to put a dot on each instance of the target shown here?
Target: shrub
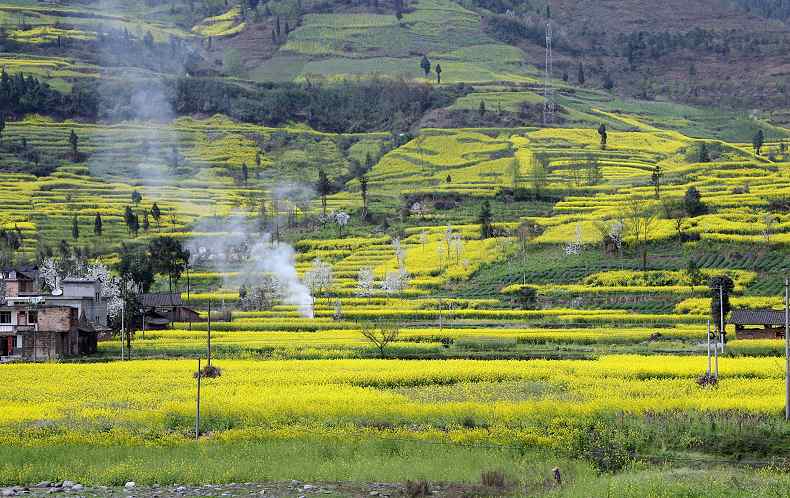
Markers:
(494, 479)
(418, 488)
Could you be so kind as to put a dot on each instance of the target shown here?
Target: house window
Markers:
(5, 317)
(32, 317)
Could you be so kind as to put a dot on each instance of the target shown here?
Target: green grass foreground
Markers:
(369, 460)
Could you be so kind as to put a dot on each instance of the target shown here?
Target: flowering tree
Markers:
(52, 272)
(394, 282)
(365, 282)
(319, 277)
(574, 248)
(262, 296)
(400, 255)
(341, 219)
(457, 246)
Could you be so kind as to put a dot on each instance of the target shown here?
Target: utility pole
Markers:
(209, 333)
(721, 317)
(123, 326)
(787, 349)
(707, 375)
(197, 412)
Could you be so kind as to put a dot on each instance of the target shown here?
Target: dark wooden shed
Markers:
(758, 324)
(164, 308)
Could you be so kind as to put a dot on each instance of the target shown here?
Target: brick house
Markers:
(35, 325)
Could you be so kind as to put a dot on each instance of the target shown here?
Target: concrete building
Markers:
(37, 325)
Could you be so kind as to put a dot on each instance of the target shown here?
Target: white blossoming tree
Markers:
(365, 282)
(341, 220)
(318, 278)
(574, 248)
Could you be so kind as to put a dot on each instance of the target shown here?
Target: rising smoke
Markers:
(242, 256)
(152, 160)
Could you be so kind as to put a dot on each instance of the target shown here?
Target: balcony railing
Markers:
(7, 327)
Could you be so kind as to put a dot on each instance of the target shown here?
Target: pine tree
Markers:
(580, 76)
(324, 188)
(244, 173)
(97, 225)
(2, 125)
(482, 109)
(704, 155)
(603, 134)
(758, 141)
(157, 214)
(128, 218)
(74, 141)
(486, 229)
(363, 189)
(75, 229)
(425, 64)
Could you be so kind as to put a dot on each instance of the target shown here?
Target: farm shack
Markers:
(163, 308)
(758, 324)
(37, 325)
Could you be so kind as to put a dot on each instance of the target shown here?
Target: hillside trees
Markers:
(704, 155)
(98, 225)
(324, 188)
(342, 107)
(641, 217)
(363, 190)
(692, 201)
(720, 287)
(169, 257)
(758, 141)
(157, 214)
(539, 174)
(74, 143)
(425, 64)
(604, 136)
(135, 266)
(381, 334)
(131, 221)
(486, 228)
(655, 180)
(2, 125)
(75, 229)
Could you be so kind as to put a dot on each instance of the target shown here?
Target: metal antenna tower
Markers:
(549, 106)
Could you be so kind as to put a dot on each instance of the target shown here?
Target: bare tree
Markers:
(675, 211)
(641, 217)
(381, 334)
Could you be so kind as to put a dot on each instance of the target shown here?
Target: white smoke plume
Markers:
(243, 255)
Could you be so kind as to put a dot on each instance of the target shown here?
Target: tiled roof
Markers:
(757, 317)
(162, 300)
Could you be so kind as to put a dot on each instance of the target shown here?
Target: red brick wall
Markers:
(11, 288)
(54, 319)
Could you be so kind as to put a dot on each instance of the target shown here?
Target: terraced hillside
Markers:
(390, 268)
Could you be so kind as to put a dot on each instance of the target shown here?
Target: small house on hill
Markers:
(758, 324)
(163, 308)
